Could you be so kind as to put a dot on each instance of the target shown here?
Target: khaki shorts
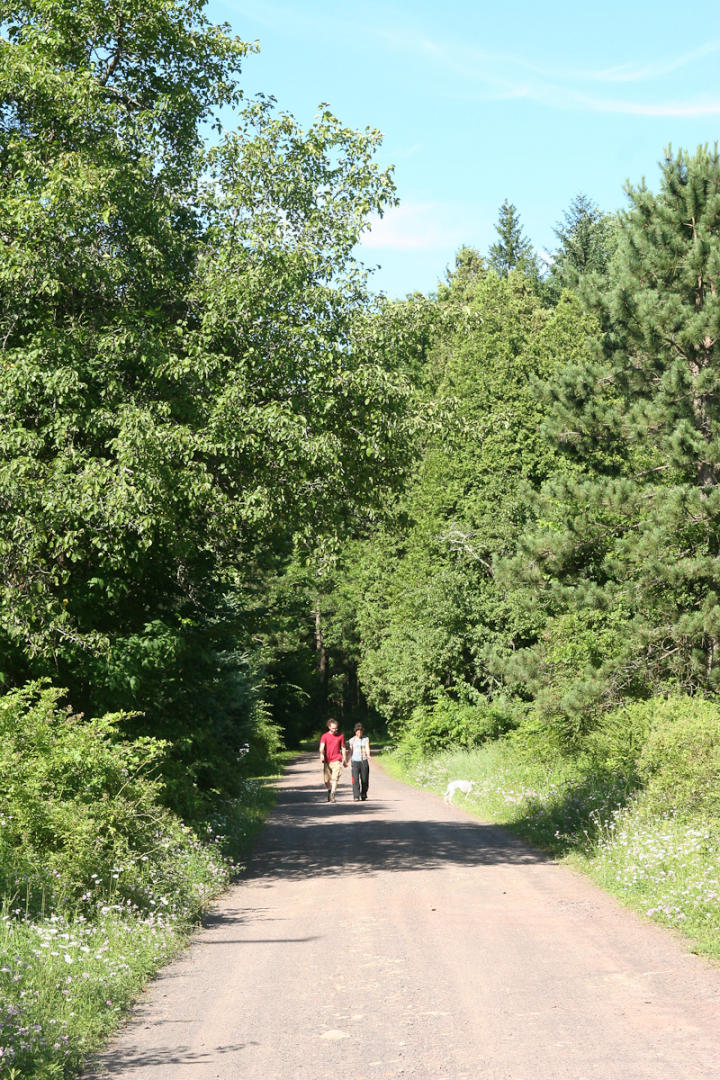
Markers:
(331, 771)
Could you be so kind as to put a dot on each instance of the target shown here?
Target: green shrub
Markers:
(620, 737)
(583, 661)
(668, 746)
(81, 824)
(536, 740)
(452, 723)
(679, 765)
(189, 687)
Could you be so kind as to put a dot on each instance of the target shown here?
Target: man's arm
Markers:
(321, 748)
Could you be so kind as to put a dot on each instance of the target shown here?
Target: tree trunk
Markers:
(322, 658)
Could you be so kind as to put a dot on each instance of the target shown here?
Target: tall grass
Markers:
(65, 982)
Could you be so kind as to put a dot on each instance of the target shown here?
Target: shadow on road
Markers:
(123, 1061)
(308, 836)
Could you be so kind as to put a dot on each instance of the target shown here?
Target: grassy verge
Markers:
(236, 825)
(66, 980)
(665, 866)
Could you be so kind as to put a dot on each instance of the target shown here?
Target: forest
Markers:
(240, 491)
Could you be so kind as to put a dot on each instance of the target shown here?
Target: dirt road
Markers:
(402, 938)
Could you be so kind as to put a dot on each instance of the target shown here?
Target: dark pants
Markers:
(360, 778)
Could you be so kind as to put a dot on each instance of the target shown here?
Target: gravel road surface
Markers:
(403, 938)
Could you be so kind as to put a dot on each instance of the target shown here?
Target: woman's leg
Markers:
(364, 778)
(355, 767)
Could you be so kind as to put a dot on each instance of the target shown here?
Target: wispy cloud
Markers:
(487, 75)
(467, 59)
(493, 76)
(418, 226)
(639, 108)
(410, 151)
(625, 73)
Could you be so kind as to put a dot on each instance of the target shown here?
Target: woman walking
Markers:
(359, 747)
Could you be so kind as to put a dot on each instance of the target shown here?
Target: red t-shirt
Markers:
(333, 746)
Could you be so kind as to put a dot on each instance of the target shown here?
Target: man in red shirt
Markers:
(333, 757)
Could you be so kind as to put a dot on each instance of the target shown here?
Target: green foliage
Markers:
(636, 532)
(193, 687)
(461, 282)
(194, 381)
(619, 739)
(449, 722)
(135, 464)
(587, 240)
(423, 591)
(557, 538)
(307, 610)
(573, 672)
(667, 746)
(512, 250)
(679, 765)
(80, 807)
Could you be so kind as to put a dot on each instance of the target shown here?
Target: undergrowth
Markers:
(100, 884)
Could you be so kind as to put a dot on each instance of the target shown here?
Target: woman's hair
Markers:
(358, 727)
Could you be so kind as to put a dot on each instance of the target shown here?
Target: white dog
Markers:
(465, 786)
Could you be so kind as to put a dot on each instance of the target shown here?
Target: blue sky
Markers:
(479, 102)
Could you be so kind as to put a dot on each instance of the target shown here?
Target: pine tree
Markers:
(513, 250)
(461, 281)
(587, 240)
(635, 538)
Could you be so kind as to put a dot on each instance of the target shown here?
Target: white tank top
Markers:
(360, 747)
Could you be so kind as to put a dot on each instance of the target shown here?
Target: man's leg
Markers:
(326, 778)
(335, 769)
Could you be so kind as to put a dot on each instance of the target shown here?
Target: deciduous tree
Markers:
(184, 384)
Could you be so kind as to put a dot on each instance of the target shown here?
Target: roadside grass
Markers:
(67, 980)
(665, 866)
(235, 825)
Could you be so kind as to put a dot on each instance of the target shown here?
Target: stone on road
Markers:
(402, 938)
